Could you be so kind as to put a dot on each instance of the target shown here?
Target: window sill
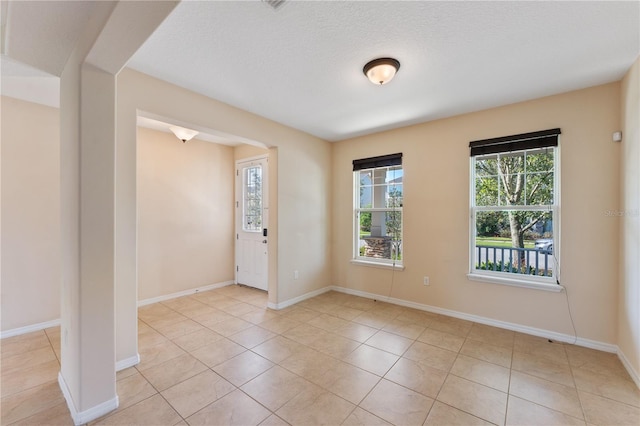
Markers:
(377, 264)
(514, 282)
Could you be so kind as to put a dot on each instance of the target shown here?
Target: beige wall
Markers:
(301, 187)
(436, 212)
(248, 151)
(185, 214)
(629, 293)
(303, 174)
(30, 213)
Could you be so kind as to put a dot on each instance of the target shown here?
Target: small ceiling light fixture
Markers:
(182, 133)
(382, 70)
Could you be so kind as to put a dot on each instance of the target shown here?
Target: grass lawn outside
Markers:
(501, 242)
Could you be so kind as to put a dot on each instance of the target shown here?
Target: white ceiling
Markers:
(301, 65)
(43, 34)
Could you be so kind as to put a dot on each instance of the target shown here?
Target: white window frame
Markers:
(369, 261)
(519, 280)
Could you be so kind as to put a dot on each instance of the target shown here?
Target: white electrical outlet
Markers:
(296, 275)
(425, 280)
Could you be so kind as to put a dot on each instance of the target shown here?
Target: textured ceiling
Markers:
(302, 64)
(43, 34)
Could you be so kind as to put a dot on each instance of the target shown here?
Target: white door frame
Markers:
(256, 239)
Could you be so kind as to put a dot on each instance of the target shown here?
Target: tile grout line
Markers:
(506, 408)
(338, 358)
(238, 388)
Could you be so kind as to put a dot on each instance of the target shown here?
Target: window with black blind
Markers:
(378, 202)
(515, 207)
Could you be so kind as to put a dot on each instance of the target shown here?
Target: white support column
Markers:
(88, 203)
(87, 376)
(88, 332)
(378, 225)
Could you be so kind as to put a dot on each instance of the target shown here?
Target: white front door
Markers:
(252, 214)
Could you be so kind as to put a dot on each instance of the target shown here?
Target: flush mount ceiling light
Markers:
(380, 71)
(182, 133)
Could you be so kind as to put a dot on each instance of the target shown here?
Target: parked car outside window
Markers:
(544, 244)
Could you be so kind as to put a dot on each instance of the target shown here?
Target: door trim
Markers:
(238, 195)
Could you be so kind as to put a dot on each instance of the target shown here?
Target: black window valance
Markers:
(541, 139)
(381, 161)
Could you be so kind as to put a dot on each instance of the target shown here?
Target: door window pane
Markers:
(252, 199)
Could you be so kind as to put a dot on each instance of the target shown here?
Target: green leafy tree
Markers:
(365, 217)
(393, 218)
(365, 221)
(516, 180)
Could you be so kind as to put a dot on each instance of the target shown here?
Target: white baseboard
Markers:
(84, 417)
(627, 365)
(54, 323)
(29, 328)
(183, 293)
(547, 334)
(128, 362)
(298, 299)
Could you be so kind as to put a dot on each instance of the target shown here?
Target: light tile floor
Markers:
(221, 358)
